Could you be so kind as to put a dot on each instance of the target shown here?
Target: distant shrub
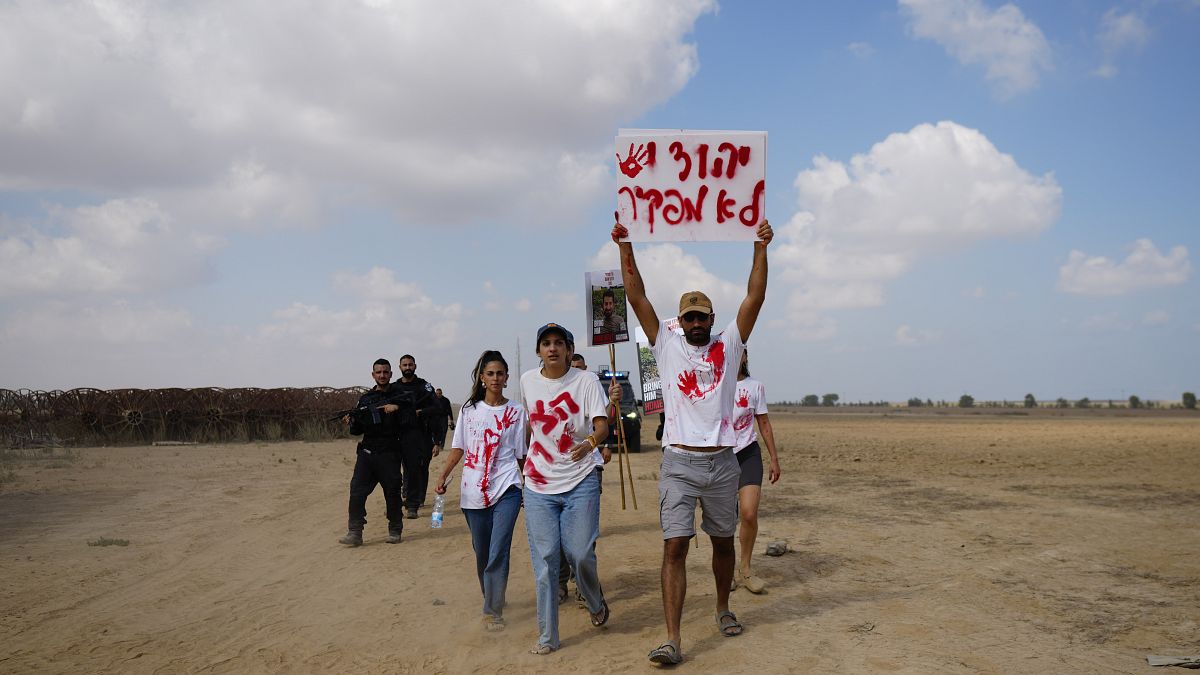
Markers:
(1135, 402)
(810, 401)
(1189, 400)
(829, 400)
(966, 401)
(105, 541)
(1030, 401)
(915, 402)
(1062, 403)
(1083, 403)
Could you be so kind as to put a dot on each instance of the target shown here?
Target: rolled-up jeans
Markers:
(570, 521)
(491, 537)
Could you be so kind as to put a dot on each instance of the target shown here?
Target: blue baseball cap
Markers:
(556, 328)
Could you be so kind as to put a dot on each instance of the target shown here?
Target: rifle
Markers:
(403, 399)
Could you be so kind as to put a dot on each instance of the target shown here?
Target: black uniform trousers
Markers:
(417, 449)
(372, 467)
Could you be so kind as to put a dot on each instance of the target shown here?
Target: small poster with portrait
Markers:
(608, 314)
(652, 398)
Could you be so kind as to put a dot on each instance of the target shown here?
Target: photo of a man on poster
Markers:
(607, 308)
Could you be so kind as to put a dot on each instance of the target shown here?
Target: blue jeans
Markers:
(491, 537)
(571, 522)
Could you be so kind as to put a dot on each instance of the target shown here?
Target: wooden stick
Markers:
(622, 443)
(612, 368)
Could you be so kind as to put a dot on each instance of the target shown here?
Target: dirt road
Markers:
(921, 543)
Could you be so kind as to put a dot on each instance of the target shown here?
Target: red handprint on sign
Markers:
(636, 160)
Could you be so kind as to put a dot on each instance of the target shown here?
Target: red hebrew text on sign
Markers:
(708, 185)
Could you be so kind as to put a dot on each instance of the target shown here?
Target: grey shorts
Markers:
(708, 477)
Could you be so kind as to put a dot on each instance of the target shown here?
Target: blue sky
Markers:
(968, 196)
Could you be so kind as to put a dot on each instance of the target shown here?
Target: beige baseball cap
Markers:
(694, 301)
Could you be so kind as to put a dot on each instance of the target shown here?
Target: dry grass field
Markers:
(921, 543)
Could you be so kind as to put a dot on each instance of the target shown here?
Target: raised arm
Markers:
(756, 288)
(635, 290)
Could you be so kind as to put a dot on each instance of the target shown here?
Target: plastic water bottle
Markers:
(439, 507)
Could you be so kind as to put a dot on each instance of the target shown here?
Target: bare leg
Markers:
(722, 565)
(748, 498)
(674, 583)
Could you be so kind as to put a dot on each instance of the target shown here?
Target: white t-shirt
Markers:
(698, 386)
(560, 417)
(491, 439)
(751, 400)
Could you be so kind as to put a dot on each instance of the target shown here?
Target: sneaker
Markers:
(352, 538)
(393, 538)
(412, 514)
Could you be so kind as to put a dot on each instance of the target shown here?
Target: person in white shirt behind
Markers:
(491, 435)
(568, 419)
(750, 406)
(698, 464)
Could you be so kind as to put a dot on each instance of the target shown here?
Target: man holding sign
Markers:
(699, 383)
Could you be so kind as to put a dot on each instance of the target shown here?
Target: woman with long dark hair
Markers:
(491, 436)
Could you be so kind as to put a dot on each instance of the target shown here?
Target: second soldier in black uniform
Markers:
(379, 456)
(416, 433)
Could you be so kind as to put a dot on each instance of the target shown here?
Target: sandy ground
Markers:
(921, 544)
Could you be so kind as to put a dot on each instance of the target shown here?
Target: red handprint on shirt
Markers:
(632, 165)
(690, 383)
(503, 423)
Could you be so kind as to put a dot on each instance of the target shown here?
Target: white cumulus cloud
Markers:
(1011, 48)
(383, 312)
(668, 272)
(866, 222)
(120, 246)
(1144, 267)
(265, 112)
(908, 336)
(1119, 32)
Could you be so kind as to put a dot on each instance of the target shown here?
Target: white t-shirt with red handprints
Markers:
(560, 417)
(751, 400)
(698, 386)
(491, 439)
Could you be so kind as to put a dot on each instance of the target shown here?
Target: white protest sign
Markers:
(680, 185)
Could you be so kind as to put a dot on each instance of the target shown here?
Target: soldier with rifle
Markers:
(379, 460)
